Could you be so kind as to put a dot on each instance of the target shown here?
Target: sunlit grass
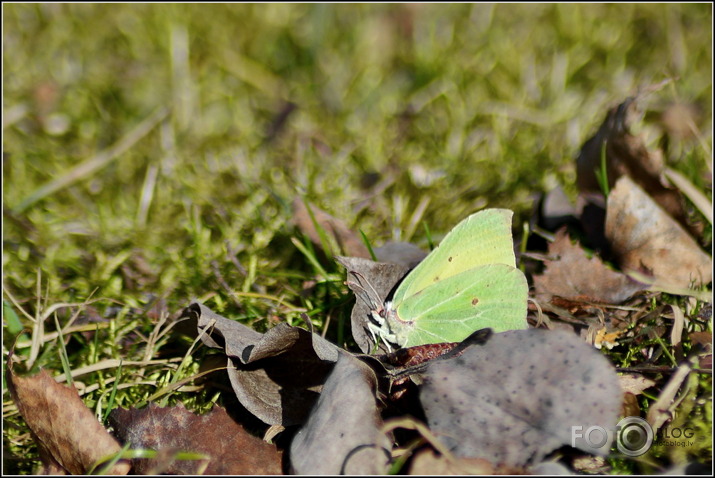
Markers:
(152, 154)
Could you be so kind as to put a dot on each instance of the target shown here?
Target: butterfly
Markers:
(468, 282)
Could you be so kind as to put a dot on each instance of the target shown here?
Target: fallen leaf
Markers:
(278, 375)
(400, 253)
(574, 276)
(555, 209)
(634, 383)
(345, 239)
(630, 407)
(703, 343)
(371, 282)
(591, 465)
(706, 361)
(403, 367)
(647, 240)
(66, 431)
(343, 433)
(703, 338)
(229, 448)
(411, 356)
(427, 462)
(662, 409)
(607, 338)
(517, 397)
(626, 155)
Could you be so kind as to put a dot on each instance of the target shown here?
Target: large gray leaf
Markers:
(342, 434)
(516, 398)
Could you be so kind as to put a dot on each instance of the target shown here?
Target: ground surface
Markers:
(152, 154)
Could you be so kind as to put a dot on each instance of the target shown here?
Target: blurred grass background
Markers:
(154, 150)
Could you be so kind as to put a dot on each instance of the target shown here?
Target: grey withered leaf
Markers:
(278, 375)
(343, 433)
(371, 282)
(518, 396)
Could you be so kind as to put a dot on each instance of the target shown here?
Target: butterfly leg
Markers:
(373, 329)
(377, 333)
(378, 328)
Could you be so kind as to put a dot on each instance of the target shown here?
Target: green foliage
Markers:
(602, 172)
(151, 154)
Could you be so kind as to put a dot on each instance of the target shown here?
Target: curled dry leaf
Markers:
(555, 209)
(66, 431)
(516, 398)
(228, 447)
(574, 276)
(278, 375)
(401, 369)
(343, 434)
(648, 241)
(371, 282)
(626, 155)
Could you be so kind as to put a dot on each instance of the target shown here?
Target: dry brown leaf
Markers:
(576, 277)
(706, 361)
(348, 241)
(647, 240)
(630, 406)
(66, 431)
(229, 448)
(634, 383)
(626, 155)
(703, 338)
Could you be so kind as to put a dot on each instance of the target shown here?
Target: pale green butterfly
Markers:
(469, 282)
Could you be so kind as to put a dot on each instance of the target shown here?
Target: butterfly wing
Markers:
(493, 295)
(482, 238)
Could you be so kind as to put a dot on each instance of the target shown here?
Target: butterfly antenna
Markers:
(369, 296)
